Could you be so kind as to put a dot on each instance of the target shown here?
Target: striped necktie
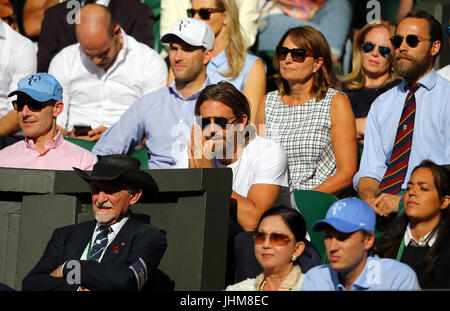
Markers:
(100, 243)
(398, 163)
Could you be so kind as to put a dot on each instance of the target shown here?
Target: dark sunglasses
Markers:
(368, 47)
(411, 40)
(204, 13)
(276, 239)
(220, 121)
(34, 106)
(298, 55)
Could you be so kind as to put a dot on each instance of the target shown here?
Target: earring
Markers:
(294, 258)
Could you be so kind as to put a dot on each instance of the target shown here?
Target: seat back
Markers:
(140, 154)
(314, 206)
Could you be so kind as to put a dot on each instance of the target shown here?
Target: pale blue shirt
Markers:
(164, 117)
(431, 137)
(219, 64)
(378, 274)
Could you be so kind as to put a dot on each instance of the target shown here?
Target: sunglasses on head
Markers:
(297, 55)
(34, 106)
(276, 239)
(368, 47)
(411, 40)
(204, 13)
(220, 121)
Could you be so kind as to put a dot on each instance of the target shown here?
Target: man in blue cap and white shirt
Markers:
(38, 102)
(349, 237)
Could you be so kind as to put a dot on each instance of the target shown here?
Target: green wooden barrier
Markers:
(192, 207)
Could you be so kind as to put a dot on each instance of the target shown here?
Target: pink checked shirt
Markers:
(59, 154)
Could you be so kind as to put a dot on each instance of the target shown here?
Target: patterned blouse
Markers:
(304, 131)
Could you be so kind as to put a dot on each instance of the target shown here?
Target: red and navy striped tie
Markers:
(398, 163)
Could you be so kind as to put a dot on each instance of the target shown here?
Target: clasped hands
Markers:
(384, 204)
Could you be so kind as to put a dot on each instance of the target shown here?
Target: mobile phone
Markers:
(81, 130)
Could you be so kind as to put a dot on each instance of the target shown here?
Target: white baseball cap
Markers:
(191, 31)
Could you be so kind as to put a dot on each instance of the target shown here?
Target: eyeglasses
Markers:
(220, 121)
(276, 239)
(298, 55)
(368, 47)
(411, 40)
(34, 106)
(204, 13)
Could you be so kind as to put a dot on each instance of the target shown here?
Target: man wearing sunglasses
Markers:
(222, 138)
(349, 227)
(410, 122)
(38, 102)
(166, 116)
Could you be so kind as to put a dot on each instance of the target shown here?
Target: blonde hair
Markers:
(235, 47)
(308, 38)
(356, 80)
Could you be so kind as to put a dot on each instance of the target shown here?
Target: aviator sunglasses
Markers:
(276, 239)
(298, 55)
(34, 106)
(368, 47)
(220, 121)
(204, 13)
(411, 40)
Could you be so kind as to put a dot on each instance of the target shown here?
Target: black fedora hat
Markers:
(123, 169)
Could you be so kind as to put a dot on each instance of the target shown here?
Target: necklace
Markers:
(260, 288)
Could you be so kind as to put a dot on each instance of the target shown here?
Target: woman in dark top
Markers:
(421, 236)
(371, 73)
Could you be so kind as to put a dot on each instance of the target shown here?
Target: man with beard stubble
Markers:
(410, 122)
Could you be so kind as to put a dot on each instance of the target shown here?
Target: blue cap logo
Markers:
(348, 215)
(40, 86)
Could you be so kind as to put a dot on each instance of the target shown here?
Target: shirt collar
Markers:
(173, 89)
(363, 281)
(424, 241)
(115, 227)
(3, 29)
(50, 144)
(219, 59)
(428, 81)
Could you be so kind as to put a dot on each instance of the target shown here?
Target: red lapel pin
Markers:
(115, 248)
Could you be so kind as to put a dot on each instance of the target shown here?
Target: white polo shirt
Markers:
(94, 97)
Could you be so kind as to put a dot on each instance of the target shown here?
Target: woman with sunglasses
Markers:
(372, 73)
(311, 120)
(231, 62)
(279, 241)
(420, 236)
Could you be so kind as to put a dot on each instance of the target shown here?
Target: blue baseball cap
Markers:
(347, 216)
(40, 86)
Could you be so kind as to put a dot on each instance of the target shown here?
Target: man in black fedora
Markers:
(114, 252)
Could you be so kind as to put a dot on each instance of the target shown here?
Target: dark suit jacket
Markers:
(56, 33)
(135, 241)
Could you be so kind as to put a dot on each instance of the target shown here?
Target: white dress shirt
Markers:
(94, 97)
(17, 60)
(424, 241)
(111, 236)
